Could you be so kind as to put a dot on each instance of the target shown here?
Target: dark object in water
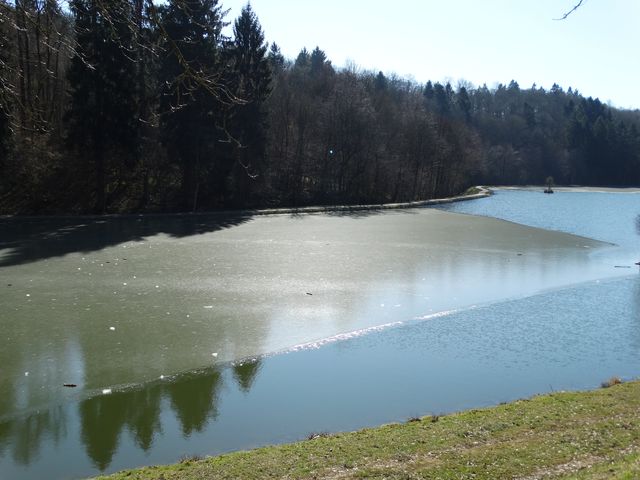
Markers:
(622, 266)
(310, 294)
(69, 385)
(548, 190)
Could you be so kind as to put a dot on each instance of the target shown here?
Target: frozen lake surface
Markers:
(216, 333)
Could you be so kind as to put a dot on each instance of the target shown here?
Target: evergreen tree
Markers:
(529, 115)
(317, 61)
(251, 67)
(441, 99)
(381, 83)
(102, 119)
(4, 138)
(5, 94)
(194, 90)
(276, 59)
(464, 104)
(303, 60)
(428, 91)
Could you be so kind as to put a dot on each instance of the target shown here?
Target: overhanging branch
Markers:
(577, 6)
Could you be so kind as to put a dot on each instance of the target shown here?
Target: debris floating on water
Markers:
(69, 385)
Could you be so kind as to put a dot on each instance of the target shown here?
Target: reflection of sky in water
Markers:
(565, 339)
(172, 294)
(562, 339)
(609, 217)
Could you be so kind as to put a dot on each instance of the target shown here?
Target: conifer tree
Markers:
(464, 104)
(102, 119)
(5, 93)
(276, 59)
(317, 61)
(194, 94)
(303, 59)
(253, 85)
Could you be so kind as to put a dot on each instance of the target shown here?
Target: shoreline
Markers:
(589, 434)
(483, 192)
(570, 188)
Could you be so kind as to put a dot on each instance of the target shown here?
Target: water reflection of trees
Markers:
(102, 420)
(143, 420)
(245, 373)
(24, 437)
(193, 398)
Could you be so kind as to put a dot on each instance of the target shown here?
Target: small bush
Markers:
(190, 458)
(611, 382)
(472, 191)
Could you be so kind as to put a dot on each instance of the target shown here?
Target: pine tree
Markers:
(4, 136)
(276, 59)
(194, 90)
(251, 66)
(102, 119)
(428, 91)
(381, 83)
(303, 60)
(441, 98)
(464, 104)
(5, 94)
(317, 61)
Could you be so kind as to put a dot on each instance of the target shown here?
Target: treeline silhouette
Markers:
(128, 106)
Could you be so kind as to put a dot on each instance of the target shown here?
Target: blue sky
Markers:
(595, 50)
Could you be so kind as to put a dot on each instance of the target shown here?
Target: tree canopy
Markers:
(124, 105)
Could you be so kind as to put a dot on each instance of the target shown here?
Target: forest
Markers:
(114, 106)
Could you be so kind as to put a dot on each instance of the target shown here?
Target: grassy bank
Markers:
(565, 435)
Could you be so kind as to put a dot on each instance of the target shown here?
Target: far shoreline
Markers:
(569, 188)
(478, 192)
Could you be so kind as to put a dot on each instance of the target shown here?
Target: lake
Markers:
(191, 335)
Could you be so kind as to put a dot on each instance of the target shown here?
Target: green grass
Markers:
(578, 435)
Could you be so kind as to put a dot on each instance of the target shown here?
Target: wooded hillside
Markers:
(123, 106)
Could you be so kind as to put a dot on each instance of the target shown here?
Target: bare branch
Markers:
(577, 6)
